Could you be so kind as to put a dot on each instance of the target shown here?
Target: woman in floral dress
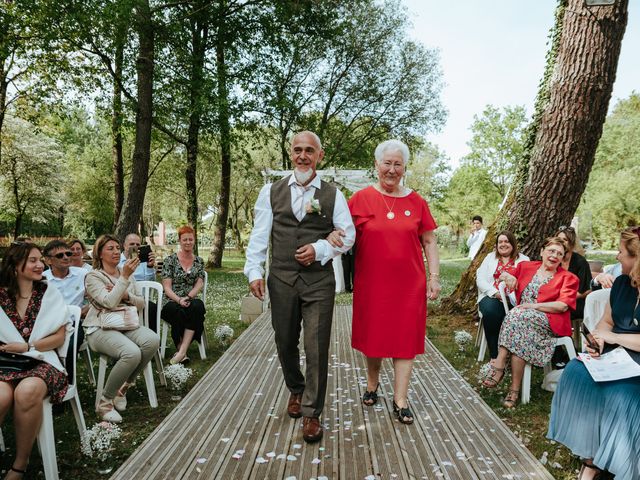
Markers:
(546, 293)
(25, 302)
(183, 279)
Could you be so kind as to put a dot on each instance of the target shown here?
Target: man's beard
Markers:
(302, 177)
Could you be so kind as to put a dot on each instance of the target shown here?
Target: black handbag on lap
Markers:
(14, 362)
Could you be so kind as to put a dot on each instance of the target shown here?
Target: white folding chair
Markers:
(86, 353)
(525, 388)
(46, 438)
(148, 369)
(148, 288)
(202, 346)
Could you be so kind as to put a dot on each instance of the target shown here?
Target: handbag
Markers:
(14, 362)
(120, 318)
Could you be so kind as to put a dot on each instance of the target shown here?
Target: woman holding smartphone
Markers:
(183, 279)
(600, 421)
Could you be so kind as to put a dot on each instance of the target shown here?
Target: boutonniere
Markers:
(313, 206)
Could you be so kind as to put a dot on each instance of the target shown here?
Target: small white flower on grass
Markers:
(178, 375)
(97, 440)
(223, 333)
(462, 339)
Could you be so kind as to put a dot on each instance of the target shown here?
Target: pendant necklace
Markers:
(390, 214)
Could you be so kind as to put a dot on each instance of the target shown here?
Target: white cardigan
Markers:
(52, 315)
(484, 275)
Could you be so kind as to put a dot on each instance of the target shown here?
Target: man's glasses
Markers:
(62, 254)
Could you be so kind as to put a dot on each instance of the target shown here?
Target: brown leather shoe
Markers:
(311, 429)
(295, 405)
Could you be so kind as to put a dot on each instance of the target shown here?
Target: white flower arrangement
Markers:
(462, 339)
(98, 439)
(178, 375)
(223, 333)
(313, 206)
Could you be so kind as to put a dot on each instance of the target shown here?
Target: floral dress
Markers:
(526, 332)
(57, 381)
(181, 281)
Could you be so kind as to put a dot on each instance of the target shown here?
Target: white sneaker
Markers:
(120, 402)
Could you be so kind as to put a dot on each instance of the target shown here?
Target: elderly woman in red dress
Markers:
(546, 294)
(394, 227)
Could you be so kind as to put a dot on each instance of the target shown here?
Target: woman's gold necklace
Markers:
(390, 214)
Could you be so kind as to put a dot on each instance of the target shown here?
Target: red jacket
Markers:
(563, 287)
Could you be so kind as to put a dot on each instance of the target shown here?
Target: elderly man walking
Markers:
(296, 214)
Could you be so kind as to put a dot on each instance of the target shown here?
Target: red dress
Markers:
(389, 288)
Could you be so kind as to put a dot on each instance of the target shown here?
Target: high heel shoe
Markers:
(107, 412)
(404, 414)
(178, 359)
(120, 400)
(371, 398)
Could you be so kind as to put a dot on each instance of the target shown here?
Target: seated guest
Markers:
(578, 265)
(504, 258)
(34, 323)
(605, 279)
(545, 292)
(109, 286)
(70, 283)
(145, 271)
(79, 250)
(598, 421)
(183, 279)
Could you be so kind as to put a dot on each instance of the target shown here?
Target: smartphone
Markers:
(132, 253)
(143, 253)
(590, 340)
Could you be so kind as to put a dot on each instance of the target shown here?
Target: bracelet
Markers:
(434, 274)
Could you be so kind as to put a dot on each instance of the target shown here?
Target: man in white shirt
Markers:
(297, 213)
(145, 271)
(69, 281)
(477, 236)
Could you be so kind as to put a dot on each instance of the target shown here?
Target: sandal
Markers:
(371, 398)
(22, 473)
(404, 414)
(600, 474)
(511, 400)
(491, 380)
(177, 359)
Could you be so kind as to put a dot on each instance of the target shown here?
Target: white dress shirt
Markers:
(71, 287)
(258, 243)
(474, 242)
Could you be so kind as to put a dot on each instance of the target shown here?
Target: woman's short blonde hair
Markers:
(630, 238)
(555, 241)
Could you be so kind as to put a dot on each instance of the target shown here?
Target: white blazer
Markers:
(52, 315)
(484, 275)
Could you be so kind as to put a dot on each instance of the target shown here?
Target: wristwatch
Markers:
(32, 347)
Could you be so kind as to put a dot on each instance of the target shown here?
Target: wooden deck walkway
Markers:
(233, 425)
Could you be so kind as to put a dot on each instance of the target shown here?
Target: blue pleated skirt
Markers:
(598, 420)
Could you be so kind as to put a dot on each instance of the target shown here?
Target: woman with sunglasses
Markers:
(546, 293)
(33, 323)
(600, 421)
(578, 265)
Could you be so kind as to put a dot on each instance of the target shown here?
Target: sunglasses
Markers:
(62, 254)
(565, 228)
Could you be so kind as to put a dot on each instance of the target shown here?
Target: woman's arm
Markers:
(484, 277)
(195, 290)
(546, 307)
(45, 344)
(604, 333)
(430, 247)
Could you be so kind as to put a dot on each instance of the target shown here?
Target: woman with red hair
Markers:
(183, 279)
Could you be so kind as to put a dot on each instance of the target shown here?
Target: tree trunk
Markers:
(116, 135)
(132, 209)
(215, 259)
(199, 42)
(571, 109)
(3, 99)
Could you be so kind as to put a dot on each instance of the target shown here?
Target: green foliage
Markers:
(497, 143)
(427, 172)
(611, 200)
(470, 192)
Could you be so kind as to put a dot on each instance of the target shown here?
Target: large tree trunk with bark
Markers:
(199, 39)
(116, 135)
(4, 84)
(132, 209)
(215, 259)
(571, 109)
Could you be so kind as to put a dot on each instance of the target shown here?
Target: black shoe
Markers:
(404, 414)
(371, 398)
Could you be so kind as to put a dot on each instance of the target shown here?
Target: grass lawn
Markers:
(226, 288)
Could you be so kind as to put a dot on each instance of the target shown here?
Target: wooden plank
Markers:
(240, 405)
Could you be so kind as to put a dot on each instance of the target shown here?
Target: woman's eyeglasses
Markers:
(62, 254)
(565, 228)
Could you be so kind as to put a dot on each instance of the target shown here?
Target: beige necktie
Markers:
(299, 211)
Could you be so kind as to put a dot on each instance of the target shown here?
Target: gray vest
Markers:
(287, 234)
